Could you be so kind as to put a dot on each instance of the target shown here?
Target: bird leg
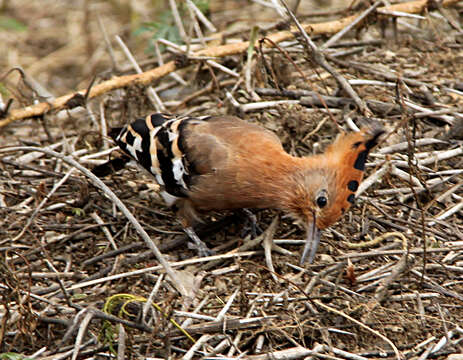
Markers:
(251, 222)
(198, 244)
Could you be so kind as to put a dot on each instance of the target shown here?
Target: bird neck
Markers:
(287, 182)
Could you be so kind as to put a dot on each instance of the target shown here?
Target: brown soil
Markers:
(405, 289)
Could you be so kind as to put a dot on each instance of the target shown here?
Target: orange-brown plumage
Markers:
(221, 163)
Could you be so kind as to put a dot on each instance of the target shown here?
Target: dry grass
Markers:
(55, 238)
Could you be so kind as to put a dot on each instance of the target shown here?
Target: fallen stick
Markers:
(145, 78)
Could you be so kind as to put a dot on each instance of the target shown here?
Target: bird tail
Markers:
(114, 132)
(112, 165)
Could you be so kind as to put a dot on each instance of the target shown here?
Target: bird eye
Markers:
(322, 201)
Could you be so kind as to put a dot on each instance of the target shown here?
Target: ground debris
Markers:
(388, 277)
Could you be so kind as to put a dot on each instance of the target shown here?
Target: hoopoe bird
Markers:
(224, 163)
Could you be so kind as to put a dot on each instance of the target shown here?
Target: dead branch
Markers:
(149, 76)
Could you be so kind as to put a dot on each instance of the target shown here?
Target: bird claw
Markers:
(202, 249)
(197, 243)
(250, 225)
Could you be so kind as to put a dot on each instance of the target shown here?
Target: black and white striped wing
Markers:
(156, 143)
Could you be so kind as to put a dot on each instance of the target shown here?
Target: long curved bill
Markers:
(311, 245)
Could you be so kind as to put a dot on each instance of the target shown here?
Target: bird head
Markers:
(328, 182)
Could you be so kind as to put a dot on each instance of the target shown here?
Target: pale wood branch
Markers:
(146, 78)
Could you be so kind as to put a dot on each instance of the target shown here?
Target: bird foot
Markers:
(250, 225)
(197, 243)
(202, 249)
